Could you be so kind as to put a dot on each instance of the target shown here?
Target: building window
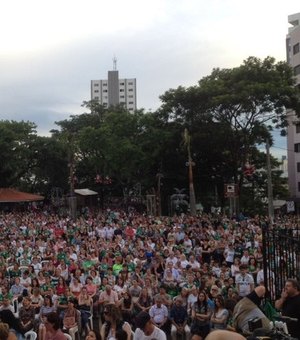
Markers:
(104, 84)
(296, 48)
(297, 70)
(297, 147)
(131, 90)
(96, 91)
(96, 98)
(298, 167)
(130, 83)
(298, 127)
(299, 186)
(96, 84)
(104, 90)
(122, 84)
(131, 96)
(130, 103)
(121, 90)
(122, 96)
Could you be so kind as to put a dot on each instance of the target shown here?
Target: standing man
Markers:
(289, 304)
(244, 281)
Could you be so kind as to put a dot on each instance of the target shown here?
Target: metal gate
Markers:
(281, 250)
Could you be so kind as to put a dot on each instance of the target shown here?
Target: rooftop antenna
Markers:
(114, 63)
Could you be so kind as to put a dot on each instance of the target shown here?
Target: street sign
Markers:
(290, 206)
(230, 190)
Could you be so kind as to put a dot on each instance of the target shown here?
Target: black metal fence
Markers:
(281, 250)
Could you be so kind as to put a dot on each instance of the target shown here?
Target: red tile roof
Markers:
(12, 195)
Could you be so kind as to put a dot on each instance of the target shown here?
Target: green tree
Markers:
(230, 112)
(16, 152)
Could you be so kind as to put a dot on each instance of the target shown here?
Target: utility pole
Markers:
(187, 140)
(270, 188)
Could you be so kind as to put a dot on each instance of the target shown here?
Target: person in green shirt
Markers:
(14, 272)
(47, 286)
(61, 254)
(118, 266)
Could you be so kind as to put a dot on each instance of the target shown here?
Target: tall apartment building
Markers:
(293, 131)
(114, 91)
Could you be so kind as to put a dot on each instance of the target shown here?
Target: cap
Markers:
(141, 319)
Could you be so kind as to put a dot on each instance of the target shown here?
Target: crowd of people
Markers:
(141, 276)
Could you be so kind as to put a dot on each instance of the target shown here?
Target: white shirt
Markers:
(157, 334)
(229, 255)
(245, 259)
(195, 264)
(244, 283)
(260, 276)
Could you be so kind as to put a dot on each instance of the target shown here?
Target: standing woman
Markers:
(235, 267)
(258, 255)
(220, 314)
(201, 316)
(114, 324)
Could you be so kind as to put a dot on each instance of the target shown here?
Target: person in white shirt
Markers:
(171, 258)
(260, 276)
(187, 243)
(229, 254)
(245, 258)
(183, 261)
(194, 263)
(146, 330)
(244, 282)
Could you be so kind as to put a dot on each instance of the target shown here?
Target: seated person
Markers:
(71, 316)
(179, 318)
(27, 315)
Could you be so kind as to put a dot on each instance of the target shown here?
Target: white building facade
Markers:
(293, 131)
(114, 91)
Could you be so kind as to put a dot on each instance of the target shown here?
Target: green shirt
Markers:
(7, 296)
(117, 268)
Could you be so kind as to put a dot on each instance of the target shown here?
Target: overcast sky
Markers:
(50, 50)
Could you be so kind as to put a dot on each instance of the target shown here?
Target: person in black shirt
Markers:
(289, 303)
